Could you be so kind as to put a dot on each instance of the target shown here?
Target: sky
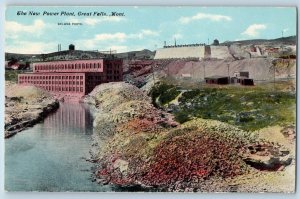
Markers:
(138, 28)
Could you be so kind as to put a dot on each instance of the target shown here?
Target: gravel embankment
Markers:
(25, 106)
(138, 144)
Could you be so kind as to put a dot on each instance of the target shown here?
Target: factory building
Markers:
(74, 78)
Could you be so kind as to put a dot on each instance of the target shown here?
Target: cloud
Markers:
(13, 27)
(149, 32)
(177, 36)
(253, 30)
(143, 33)
(120, 36)
(201, 16)
(115, 41)
(285, 30)
(94, 21)
(29, 47)
(106, 36)
(119, 49)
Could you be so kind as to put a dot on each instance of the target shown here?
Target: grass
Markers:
(12, 75)
(165, 92)
(249, 108)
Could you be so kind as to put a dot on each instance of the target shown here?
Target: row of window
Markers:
(52, 82)
(38, 77)
(114, 72)
(93, 77)
(110, 65)
(68, 66)
(112, 77)
(69, 89)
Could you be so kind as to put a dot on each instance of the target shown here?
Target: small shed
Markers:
(244, 74)
(186, 76)
(247, 82)
(217, 80)
(234, 80)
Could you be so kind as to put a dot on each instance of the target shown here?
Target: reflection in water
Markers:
(70, 116)
(48, 156)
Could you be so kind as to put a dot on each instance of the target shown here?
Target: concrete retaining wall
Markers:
(180, 52)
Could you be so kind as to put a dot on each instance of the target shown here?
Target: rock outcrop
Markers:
(25, 106)
(138, 144)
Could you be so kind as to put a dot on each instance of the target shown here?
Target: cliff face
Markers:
(138, 144)
(25, 106)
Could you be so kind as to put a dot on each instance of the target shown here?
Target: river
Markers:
(50, 155)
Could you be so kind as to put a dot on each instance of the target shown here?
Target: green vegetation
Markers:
(249, 108)
(165, 92)
(12, 75)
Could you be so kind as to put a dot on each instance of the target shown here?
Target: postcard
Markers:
(150, 99)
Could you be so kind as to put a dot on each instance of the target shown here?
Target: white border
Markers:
(32, 195)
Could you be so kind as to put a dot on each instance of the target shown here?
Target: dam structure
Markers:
(193, 51)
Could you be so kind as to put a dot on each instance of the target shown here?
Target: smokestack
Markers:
(165, 43)
(175, 42)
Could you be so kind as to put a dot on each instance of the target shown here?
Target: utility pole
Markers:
(204, 71)
(153, 74)
(193, 70)
(274, 75)
(228, 72)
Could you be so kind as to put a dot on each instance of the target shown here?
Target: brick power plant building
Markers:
(75, 78)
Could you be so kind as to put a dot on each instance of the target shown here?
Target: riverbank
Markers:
(136, 144)
(25, 106)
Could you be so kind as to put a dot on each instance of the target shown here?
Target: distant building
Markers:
(186, 76)
(16, 65)
(217, 80)
(246, 81)
(73, 78)
(216, 42)
(244, 74)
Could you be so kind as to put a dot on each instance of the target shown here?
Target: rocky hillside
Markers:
(292, 40)
(185, 70)
(25, 106)
(138, 144)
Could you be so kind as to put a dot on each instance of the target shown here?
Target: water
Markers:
(50, 155)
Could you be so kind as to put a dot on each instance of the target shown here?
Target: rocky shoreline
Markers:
(136, 144)
(25, 106)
